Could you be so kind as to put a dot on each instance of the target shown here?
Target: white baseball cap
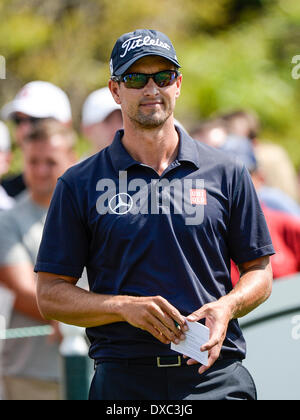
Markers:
(40, 100)
(98, 105)
(4, 138)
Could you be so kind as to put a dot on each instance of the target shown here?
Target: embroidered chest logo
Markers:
(121, 203)
(198, 196)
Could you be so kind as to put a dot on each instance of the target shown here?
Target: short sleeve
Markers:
(249, 237)
(64, 245)
(12, 251)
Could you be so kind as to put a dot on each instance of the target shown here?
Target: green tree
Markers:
(235, 53)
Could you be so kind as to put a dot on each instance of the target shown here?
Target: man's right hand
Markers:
(57, 295)
(155, 315)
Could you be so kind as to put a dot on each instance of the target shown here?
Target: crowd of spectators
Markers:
(273, 176)
(41, 120)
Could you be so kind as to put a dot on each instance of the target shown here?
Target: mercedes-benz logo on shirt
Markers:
(121, 203)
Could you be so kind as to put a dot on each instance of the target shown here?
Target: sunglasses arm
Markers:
(117, 79)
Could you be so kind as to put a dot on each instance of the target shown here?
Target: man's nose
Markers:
(42, 170)
(151, 88)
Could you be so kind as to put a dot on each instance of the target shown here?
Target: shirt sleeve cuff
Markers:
(59, 269)
(246, 256)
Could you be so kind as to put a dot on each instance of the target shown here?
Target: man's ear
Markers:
(178, 84)
(114, 87)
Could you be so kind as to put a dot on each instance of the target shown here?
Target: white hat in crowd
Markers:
(98, 105)
(40, 100)
(4, 138)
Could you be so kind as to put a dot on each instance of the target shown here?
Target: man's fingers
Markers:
(162, 329)
(203, 369)
(166, 322)
(213, 356)
(213, 341)
(156, 333)
(197, 315)
(169, 315)
(191, 362)
(157, 316)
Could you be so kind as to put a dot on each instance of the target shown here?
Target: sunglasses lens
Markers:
(165, 78)
(19, 120)
(135, 80)
(139, 80)
(26, 120)
(35, 120)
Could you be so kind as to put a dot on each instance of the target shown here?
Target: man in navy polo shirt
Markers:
(155, 218)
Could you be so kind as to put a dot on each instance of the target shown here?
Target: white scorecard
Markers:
(196, 336)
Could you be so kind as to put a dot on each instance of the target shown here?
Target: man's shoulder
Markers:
(80, 167)
(215, 157)
(83, 170)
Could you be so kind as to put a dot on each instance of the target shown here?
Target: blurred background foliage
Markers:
(235, 53)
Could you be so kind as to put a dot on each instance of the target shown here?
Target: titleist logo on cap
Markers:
(138, 41)
(132, 46)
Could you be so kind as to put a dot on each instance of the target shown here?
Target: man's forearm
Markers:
(60, 299)
(253, 288)
(70, 304)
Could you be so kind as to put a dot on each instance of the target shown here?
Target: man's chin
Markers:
(151, 123)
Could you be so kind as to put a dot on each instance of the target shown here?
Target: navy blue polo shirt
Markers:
(142, 234)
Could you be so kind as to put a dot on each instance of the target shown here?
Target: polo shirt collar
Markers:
(122, 160)
(188, 151)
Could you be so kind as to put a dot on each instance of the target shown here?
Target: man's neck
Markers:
(157, 147)
(41, 200)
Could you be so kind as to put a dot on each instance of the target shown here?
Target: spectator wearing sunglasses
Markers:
(36, 101)
(151, 267)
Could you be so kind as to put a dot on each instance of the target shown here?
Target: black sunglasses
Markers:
(139, 80)
(21, 120)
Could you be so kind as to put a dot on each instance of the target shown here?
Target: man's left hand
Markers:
(217, 317)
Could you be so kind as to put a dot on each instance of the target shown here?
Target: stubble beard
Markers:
(150, 120)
